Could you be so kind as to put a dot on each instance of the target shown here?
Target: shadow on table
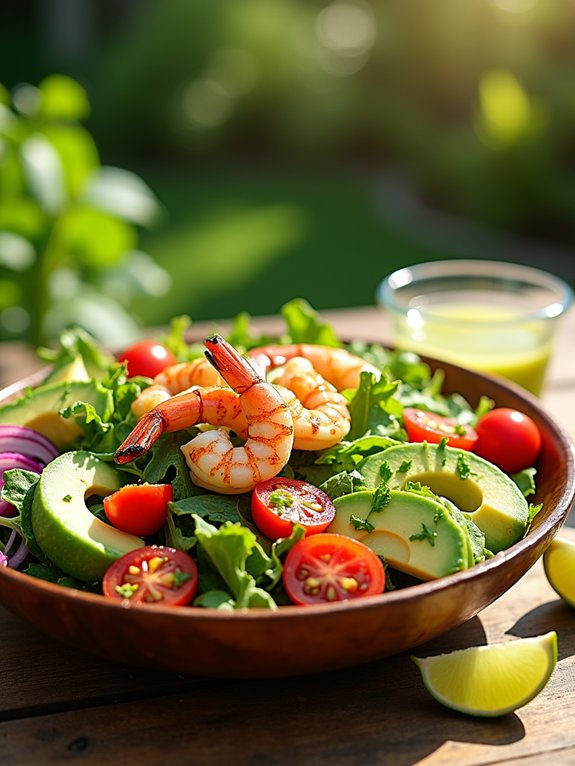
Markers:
(379, 713)
(376, 713)
(554, 615)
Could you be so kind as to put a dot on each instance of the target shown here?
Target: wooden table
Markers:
(59, 706)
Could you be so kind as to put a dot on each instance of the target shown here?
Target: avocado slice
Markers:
(39, 409)
(488, 495)
(73, 370)
(65, 529)
(415, 533)
(477, 550)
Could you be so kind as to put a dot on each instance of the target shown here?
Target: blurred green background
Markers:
(212, 156)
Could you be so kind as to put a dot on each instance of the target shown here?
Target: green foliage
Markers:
(472, 100)
(68, 226)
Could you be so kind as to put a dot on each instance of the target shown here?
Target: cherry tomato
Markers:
(508, 438)
(154, 574)
(147, 358)
(425, 426)
(328, 567)
(279, 503)
(140, 509)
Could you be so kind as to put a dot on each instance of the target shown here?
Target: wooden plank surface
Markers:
(61, 706)
(378, 713)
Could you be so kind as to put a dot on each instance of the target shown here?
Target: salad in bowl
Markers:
(245, 473)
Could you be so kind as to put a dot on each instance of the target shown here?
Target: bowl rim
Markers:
(531, 540)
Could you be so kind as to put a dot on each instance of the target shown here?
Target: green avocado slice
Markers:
(477, 550)
(478, 488)
(65, 529)
(414, 533)
(39, 409)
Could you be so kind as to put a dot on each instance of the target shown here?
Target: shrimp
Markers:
(174, 380)
(320, 415)
(336, 365)
(213, 461)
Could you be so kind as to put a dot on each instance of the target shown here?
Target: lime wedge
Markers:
(491, 680)
(559, 564)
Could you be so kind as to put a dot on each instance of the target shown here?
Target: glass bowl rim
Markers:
(485, 270)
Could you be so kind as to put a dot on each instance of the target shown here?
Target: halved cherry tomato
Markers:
(154, 574)
(508, 438)
(425, 426)
(140, 509)
(147, 358)
(279, 503)
(329, 567)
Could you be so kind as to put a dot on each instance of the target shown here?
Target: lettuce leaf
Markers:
(304, 325)
(167, 464)
(525, 480)
(18, 489)
(373, 408)
(230, 548)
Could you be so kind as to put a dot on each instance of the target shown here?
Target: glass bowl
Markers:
(499, 318)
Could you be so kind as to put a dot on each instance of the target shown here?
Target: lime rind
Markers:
(491, 680)
(559, 566)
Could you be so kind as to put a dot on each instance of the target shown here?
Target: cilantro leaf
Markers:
(360, 523)
(425, 534)
(381, 498)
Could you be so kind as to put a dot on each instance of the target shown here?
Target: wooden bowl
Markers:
(296, 640)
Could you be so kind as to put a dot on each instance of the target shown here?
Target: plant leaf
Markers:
(43, 173)
(62, 98)
(122, 193)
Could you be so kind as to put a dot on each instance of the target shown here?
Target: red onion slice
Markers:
(19, 556)
(16, 557)
(9, 460)
(28, 442)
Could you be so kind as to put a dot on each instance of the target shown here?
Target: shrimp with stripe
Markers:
(337, 365)
(176, 379)
(214, 462)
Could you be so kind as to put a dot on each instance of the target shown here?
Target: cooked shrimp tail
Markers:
(215, 405)
(176, 379)
(176, 413)
(141, 439)
(234, 369)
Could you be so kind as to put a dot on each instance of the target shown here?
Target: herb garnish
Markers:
(180, 578)
(425, 534)
(385, 472)
(280, 499)
(126, 590)
(463, 469)
(380, 498)
(359, 523)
